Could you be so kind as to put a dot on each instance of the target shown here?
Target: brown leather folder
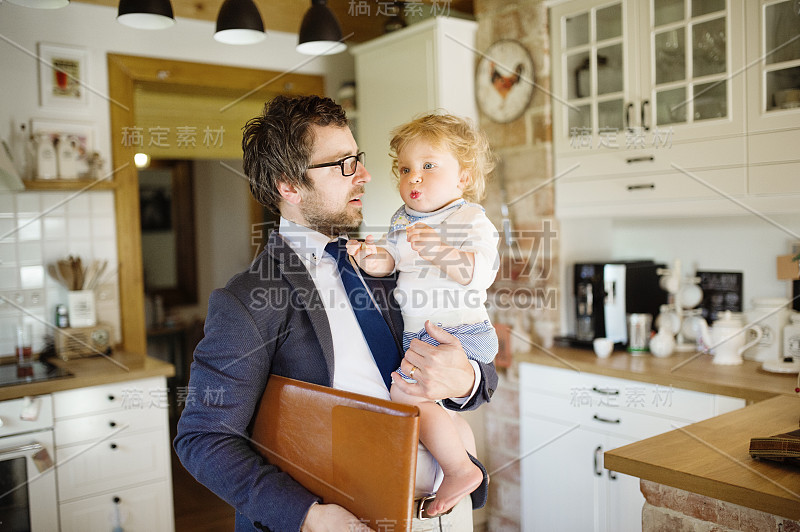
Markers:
(352, 450)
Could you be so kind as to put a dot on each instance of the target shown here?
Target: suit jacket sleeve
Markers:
(228, 376)
(483, 394)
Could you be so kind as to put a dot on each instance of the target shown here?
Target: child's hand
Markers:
(424, 240)
(359, 250)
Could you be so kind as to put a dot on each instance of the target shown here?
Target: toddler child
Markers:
(444, 249)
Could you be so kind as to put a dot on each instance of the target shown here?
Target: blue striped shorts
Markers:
(479, 340)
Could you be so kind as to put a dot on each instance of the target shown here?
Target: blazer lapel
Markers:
(291, 267)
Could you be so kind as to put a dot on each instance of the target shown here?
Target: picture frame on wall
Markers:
(63, 73)
(80, 135)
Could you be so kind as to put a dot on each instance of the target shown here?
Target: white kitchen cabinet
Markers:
(409, 72)
(113, 450)
(568, 420)
(773, 104)
(646, 65)
(675, 107)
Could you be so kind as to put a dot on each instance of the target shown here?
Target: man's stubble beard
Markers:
(318, 217)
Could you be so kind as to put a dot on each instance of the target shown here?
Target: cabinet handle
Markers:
(606, 420)
(112, 424)
(111, 397)
(605, 391)
(612, 475)
(645, 159)
(116, 500)
(598, 470)
(645, 186)
(113, 446)
(628, 116)
(645, 104)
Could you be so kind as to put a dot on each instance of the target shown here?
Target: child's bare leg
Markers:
(442, 436)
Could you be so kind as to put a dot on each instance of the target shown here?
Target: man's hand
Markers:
(442, 371)
(331, 518)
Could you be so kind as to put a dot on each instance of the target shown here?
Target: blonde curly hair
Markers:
(468, 145)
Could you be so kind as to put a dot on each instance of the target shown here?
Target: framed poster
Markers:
(63, 73)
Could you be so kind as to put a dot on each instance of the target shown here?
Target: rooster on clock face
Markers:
(504, 81)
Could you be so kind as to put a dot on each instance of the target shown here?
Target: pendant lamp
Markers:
(320, 33)
(145, 14)
(40, 4)
(239, 22)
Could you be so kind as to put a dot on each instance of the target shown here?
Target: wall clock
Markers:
(504, 81)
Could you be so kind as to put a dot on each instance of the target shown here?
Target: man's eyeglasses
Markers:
(348, 165)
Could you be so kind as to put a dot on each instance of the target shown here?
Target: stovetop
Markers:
(11, 375)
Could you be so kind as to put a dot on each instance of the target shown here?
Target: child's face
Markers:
(430, 177)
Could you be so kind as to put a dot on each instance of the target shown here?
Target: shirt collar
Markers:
(307, 243)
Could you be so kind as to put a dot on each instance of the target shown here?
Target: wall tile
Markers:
(55, 227)
(7, 205)
(29, 229)
(78, 204)
(8, 254)
(28, 204)
(53, 203)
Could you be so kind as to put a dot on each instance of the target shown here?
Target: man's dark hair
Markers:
(277, 144)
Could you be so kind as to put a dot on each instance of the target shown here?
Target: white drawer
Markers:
(781, 178)
(113, 463)
(671, 186)
(603, 417)
(150, 393)
(773, 147)
(592, 391)
(620, 161)
(99, 426)
(142, 509)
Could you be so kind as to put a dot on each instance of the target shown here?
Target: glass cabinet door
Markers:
(781, 54)
(689, 62)
(592, 73)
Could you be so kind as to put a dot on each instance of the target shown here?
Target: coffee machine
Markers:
(605, 292)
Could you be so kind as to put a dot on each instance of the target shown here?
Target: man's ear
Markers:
(289, 192)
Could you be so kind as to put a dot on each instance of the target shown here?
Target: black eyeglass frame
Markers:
(360, 157)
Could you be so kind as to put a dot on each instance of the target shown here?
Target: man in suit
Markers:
(290, 315)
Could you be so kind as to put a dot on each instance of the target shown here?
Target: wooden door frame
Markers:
(124, 72)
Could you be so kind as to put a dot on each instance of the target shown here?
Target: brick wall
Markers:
(524, 148)
(670, 509)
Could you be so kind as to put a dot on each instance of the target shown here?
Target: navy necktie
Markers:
(376, 331)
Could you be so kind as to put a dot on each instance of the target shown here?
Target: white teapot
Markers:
(727, 336)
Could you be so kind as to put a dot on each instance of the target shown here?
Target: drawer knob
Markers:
(111, 397)
(605, 419)
(605, 391)
(112, 424)
(116, 500)
(113, 446)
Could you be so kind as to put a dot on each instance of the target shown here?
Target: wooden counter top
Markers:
(690, 371)
(92, 371)
(711, 458)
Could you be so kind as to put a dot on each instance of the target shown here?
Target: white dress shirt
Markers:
(354, 367)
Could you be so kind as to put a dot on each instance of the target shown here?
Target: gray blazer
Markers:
(267, 320)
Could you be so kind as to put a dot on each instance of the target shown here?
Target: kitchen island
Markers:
(711, 459)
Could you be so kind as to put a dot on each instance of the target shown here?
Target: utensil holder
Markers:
(82, 308)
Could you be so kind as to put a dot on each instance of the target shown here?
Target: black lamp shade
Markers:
(239, 22)
(320, 33)
(145, 14)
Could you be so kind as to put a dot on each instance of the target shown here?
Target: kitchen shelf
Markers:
(70, 184)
